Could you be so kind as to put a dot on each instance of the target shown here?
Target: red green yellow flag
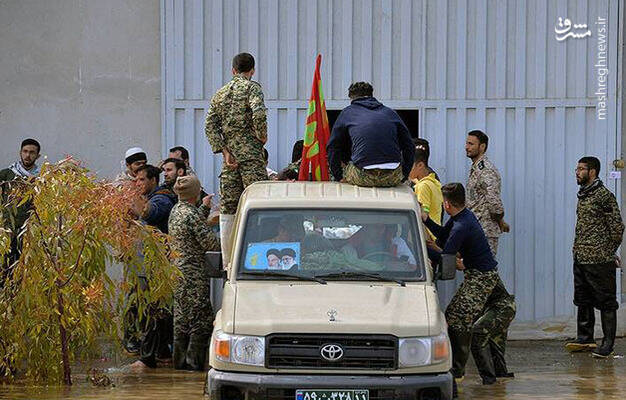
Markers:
(314, 164)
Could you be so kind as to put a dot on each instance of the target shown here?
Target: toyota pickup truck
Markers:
(329, 296)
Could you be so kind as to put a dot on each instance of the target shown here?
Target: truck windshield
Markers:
(337, 244)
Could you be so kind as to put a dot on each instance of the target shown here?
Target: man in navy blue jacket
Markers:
(463, 235)
(369, 145)
(157, 200)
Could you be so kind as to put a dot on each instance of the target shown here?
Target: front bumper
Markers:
(221, 385)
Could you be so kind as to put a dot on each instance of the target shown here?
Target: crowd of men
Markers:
(369, 146)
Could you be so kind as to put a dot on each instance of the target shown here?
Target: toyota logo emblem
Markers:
(331, 352)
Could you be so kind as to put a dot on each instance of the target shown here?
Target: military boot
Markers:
(586, 320)
(181, 344)
(498, 349)
(484, 364)
(609, 325)
(196, 353)
(460, 344)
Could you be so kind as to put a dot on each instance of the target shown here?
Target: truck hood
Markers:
(303, 307)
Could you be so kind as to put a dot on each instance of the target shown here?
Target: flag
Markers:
(314, 165)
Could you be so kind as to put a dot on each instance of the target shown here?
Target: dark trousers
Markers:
(157, 338)
(156, 334)
(595, 286)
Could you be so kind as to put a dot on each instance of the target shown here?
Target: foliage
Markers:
(5, 239)
(59, 302)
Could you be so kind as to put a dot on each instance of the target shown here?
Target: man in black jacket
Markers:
(599, 231)
(369, 145)
(15, 217)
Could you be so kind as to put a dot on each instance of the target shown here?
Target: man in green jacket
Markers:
(24, 168)
(599, 230)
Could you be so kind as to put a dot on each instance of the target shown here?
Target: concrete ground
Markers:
(543, 370)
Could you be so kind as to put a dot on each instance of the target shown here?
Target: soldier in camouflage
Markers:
(236, 126)
(463, 234)
(483, 198)
(191, 238)
(599, 230)
(483, 189)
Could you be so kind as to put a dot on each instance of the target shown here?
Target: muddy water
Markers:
(543, 370)
(155, 384)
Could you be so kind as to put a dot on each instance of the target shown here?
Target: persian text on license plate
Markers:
(332, 394)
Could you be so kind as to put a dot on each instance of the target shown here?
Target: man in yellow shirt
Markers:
(427, 187)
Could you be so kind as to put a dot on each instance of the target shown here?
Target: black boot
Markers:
(609, 325)
(196, 353)
(181, 344)
(586, 320)
(132, 345)
(484, 362)
(499, 362)
(460, 344)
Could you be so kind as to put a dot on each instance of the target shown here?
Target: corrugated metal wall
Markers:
(463, 64)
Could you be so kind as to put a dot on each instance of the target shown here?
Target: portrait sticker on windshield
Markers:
(272, 256)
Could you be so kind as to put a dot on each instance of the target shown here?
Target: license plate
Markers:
(332, 394)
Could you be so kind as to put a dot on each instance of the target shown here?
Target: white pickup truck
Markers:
(329, 296)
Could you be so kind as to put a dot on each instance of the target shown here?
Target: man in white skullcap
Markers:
(134, 158)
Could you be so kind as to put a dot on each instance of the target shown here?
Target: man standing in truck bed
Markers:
(236, 126)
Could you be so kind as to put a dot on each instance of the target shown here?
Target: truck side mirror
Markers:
(213, 264)
(448, 267)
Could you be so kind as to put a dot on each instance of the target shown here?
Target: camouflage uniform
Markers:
(599, 231)
(497, 316)
(489, 333)
(464, 309)
(290, 172)
(237, 122)
(372, 177)
(470, 299)
(193, 314)
(483, 198)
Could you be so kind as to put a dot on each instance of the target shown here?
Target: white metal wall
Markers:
(464, 64)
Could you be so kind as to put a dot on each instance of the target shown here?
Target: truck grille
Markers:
(371, 352)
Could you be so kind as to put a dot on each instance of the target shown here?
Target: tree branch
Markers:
(75, 267)
(43, 242)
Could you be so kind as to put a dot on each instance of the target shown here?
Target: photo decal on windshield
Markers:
(272, 256)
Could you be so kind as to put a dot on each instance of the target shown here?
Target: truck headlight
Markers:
(419, 351)
(238, 349)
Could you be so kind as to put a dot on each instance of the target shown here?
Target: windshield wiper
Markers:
(356, 274)
(284, 275)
